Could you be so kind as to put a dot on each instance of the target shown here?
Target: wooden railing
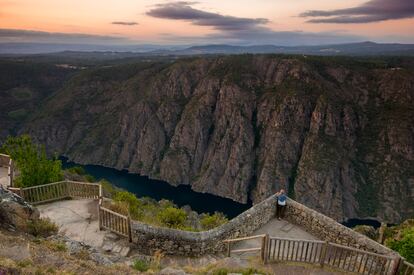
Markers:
(84, 190)
(44, 193)
(296, 250)
(323, 253)
(6, 161)
(114, 221)
(406, 268)
(58, 190)
(108, 219)
(263, 240)
(358, 261)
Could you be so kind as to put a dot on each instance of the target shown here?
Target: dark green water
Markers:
(182, 195)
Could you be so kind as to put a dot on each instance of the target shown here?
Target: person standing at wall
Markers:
(280, 204)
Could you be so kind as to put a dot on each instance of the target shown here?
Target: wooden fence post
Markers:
(396, 265)
(263, 249)
(228, 249)
(129, 228)
(11, 172)
(266, 248)
(99, 214)
(323, 253)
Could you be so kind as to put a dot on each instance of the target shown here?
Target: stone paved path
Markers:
(78, 220)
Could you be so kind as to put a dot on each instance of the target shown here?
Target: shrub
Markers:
(159, 213)
(31, 160)
(140, 265)
(128, 197)
(119, 207)
(220, 271)
(42, 227)
(108, 189)
(172, 217)
(211, 221)
(90, 178)
(404, 246)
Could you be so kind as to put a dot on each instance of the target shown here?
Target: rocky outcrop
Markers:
(14, 211)
(337, 133)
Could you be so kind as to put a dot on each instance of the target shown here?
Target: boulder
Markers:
(14, 211)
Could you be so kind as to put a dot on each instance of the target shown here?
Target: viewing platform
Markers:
(304, 236)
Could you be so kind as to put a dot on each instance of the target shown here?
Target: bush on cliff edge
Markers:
(32, 162)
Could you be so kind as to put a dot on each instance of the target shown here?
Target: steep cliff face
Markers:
(338, 134)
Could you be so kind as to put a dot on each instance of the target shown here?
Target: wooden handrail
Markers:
(361, 251)
(42, 185)
(84, 183)
(244, 238)
(253, 249)
(113, 212)
(302, 240)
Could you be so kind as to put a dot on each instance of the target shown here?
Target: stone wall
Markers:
(328, 229)
(150, 238)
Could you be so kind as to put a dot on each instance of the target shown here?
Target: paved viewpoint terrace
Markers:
(78, 219)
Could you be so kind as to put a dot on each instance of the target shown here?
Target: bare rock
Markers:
(14, 211)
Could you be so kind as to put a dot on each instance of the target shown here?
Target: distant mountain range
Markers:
(352, 49)
(363, 48)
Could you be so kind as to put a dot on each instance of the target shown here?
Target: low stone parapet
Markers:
(328, 229)
(151, 238)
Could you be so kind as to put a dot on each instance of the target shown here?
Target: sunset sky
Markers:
(280, 22)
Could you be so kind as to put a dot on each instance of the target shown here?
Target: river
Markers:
(143, 186)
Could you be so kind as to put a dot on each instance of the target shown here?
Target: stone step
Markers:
(124, 251)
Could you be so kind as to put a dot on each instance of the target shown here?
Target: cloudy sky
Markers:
(281, 22)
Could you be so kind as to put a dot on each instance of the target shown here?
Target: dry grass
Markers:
(49, 257)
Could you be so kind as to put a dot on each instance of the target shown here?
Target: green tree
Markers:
(32, 162)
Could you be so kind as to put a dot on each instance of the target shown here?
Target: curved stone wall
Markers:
(328, 229)
(151, 238)
(178, 242)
